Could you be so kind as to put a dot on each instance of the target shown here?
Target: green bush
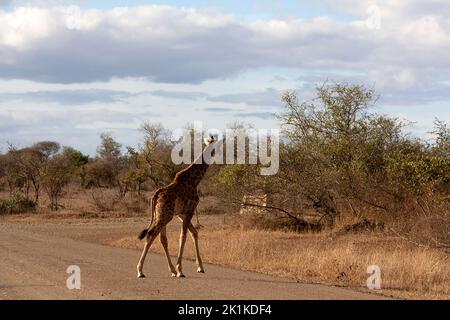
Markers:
(17, 203)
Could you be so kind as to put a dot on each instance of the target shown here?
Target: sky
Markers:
(70, 70)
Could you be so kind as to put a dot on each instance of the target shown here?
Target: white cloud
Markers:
(392, 78)
(427, 31)
(185, 45)
(25, 25)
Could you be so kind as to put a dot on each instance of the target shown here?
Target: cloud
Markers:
(260, 115)
(270, 97)
(389, 8)
(184, 95)
(184, 45)
(157, 42)
(67, 97)
(218, 109)
(5, 2)
(78, 127)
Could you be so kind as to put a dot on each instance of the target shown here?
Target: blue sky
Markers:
(71, 70)
(265, 9)
(245, 8)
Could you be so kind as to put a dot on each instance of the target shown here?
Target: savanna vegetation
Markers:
(342, 163)
(353, 188)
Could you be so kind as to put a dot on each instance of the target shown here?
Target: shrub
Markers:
(104, 201)
(136, 204)
(17, 203)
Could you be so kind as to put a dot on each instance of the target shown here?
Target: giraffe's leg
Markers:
(151, 235)
(164, 242)
(181, 248)
(194, 233)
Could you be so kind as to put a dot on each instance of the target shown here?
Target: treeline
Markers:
(46, 167)
(338, 159)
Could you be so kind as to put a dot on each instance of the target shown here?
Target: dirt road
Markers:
(34, 258)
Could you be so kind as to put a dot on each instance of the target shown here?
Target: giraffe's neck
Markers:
(196, 171)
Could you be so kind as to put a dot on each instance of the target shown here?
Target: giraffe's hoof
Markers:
(174, 275)
(200, 270)
(180, 275)
(141, 275)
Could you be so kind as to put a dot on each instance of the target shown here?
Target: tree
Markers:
(3, 172)
(108, 148)
(423, 169)
(46, 148)
(134, 173)
(156, 153)
(105, 169)
(57, 173)
(442, 141)
(336, 140)
(25, 165)
(14, 177)
(79, 161)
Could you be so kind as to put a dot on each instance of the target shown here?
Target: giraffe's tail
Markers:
(144, 232)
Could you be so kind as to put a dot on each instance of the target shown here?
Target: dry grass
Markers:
(407, 271)
(92, 203)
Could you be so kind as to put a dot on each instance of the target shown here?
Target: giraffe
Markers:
(179, 198)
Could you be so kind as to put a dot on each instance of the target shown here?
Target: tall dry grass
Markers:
(407, 271)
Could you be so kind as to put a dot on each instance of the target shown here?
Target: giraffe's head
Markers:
(210, 139)
(213, 144)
